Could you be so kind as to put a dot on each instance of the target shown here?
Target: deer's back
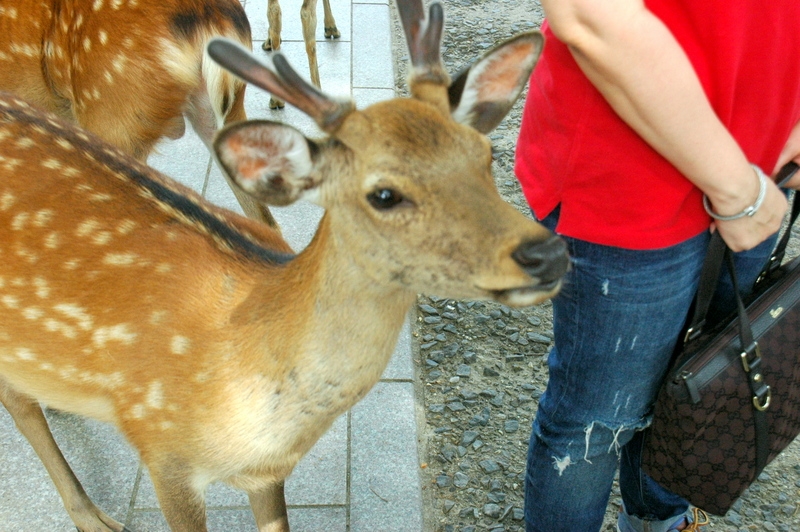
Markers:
(112, 274)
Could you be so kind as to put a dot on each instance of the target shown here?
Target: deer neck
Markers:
(337, 325)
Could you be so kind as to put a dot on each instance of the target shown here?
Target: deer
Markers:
(127, 70)
(216, 350)
(308, 18)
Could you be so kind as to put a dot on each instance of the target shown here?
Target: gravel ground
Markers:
(481, 366)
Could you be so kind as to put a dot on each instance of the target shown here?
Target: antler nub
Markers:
(424, 46)
(281, 80)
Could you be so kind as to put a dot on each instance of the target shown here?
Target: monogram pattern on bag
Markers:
(705, 452)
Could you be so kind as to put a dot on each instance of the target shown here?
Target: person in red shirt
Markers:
(647, 125)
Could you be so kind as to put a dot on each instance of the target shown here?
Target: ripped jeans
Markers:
(616, 322)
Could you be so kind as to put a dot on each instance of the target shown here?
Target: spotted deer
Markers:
(308, 19)
(127, 70)
(219, 353)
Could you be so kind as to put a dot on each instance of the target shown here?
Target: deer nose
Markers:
(547, 261)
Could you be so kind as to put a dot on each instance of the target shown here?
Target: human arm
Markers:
(631, 57)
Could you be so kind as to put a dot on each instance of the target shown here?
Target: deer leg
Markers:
(183, 507)
(273, 42)
(331, 31)
(269, 508)
(30, 421)
(308, 17)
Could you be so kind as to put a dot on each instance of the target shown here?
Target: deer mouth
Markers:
(525, 296)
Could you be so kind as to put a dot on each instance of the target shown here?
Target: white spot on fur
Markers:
(32, 313)
(25, 354)
(98, 5)
(19, 221)
(155, 395)
(179, 345)
(6, 201)
(119, 63)
(23, 49)
(64, 143)
(87, 227)
(42, 288)
(137, 411)
(126, 226)
(116, 333)
(58, 326)
(52, 164)
(10, 301)
(103, 36)
(10, 12)
(102, 238)
(69, 171)
(120, 259)
(43, 217)
(28, 255)
(25, 142)
(79, 314)
(51, 241)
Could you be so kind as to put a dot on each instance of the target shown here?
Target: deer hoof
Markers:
(332, 32)
(267, 45)
(276, 104)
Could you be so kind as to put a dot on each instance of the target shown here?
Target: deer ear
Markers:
(270, 161)
(483, 94)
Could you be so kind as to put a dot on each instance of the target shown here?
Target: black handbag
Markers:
(731, 400)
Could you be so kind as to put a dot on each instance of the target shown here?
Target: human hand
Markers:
(749, 231)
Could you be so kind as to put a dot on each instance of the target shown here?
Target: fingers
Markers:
(749, 231)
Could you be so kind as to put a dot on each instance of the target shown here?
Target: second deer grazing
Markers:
(127, 70)
(218, 353)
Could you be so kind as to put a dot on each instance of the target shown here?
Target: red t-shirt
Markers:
(613, 188)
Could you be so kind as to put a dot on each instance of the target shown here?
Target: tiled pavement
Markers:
(363, 475)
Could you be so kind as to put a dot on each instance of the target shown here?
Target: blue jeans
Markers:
(616, 322)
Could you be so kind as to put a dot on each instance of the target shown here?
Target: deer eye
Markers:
(385, 199)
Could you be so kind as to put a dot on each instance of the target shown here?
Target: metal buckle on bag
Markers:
(762, 397)
(693, 332)
(763, 406)
(747, 364)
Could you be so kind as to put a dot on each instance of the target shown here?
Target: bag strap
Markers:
(776, 258)
(718, 253)
(751, 363)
